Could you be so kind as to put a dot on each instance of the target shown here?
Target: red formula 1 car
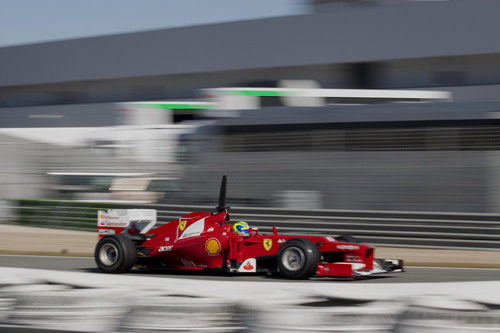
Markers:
(207, 240)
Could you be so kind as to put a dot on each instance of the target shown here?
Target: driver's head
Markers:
(241, 228)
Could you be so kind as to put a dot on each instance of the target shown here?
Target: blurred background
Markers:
(135, 116)
(378, 118)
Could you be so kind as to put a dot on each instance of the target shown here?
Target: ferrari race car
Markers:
(207, 240)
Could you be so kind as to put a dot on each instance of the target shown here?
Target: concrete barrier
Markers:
(43, 300)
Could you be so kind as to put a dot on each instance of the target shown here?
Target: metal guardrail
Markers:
(394, 228)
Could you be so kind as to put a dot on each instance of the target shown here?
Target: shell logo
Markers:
(213, 247)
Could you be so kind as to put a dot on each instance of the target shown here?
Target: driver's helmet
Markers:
(241, 228)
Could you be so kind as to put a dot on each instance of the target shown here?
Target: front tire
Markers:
(115, 254)
(298, 259)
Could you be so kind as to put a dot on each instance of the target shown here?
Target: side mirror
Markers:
(256, 230)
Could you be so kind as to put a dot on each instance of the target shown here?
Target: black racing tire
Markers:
(298, 259)
(115, 254)
(347, 239)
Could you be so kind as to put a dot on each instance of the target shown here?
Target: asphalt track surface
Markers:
(412, 274)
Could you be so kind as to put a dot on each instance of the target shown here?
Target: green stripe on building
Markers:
(178, 106)
(272, 93)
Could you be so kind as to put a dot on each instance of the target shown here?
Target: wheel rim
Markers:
(108, 254)
(293, 259)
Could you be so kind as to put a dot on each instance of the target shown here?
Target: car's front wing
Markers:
(355, 269)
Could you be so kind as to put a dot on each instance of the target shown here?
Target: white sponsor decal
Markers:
(281, 241)
(347, 247)
(109, 217)
(210, 229)
(330, 238)
(248, 266)
(194, 229)
(106, 232)
(165, 248)
(167, 239)
(353, 259)
(121, 218)
(188, 263)
(377, 268)
(394, 261)
(357, 266)
(112, 224)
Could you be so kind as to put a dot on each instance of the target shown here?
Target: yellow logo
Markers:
(213, 247)
(182, 225)
(268, 243)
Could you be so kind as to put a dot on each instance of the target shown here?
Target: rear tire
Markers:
(347, 239)
(298, 258)
(115, 254)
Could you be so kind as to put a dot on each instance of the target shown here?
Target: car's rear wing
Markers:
(131, 222)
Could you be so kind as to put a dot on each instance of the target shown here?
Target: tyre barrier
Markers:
(448, 315)
(369, 317)
(184, 314)
(48, 307)
(62, 308)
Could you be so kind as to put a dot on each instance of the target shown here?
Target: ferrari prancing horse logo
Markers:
(182, 224)
(268, 243)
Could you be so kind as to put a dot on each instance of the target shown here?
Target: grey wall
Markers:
(440, 71)
(413, 30)
(19, 165)
(163, 86)
(76, 115)
(420, 181)
(461, 181)
(449, 180)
